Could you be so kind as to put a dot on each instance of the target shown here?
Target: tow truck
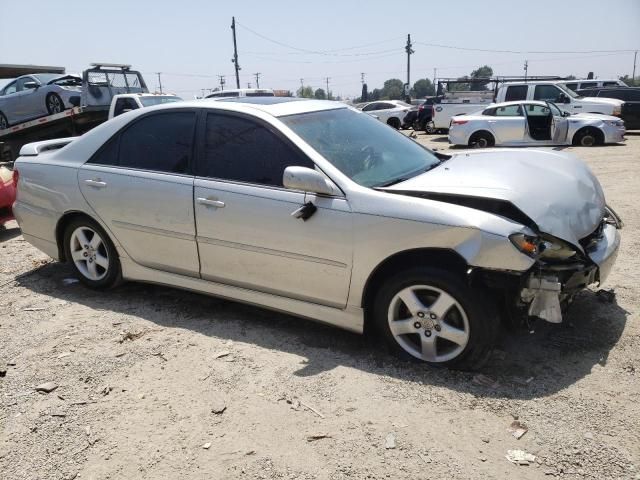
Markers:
(100, 83)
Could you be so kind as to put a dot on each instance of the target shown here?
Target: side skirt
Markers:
(350, 318)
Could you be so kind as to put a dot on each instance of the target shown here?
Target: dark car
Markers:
(425, 114)
(631, 97)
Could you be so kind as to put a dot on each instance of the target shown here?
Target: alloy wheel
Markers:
(55, 104)
(428, 323)
(587, 141)
(89, 253)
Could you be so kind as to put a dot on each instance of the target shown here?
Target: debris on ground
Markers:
(218, 407)
(520, 457)
(69, 281)
(207, 446)
(390, 441)
(606, 296)
(485, 381)
(317, 436)
(47, 387)
(3, 372)
(221, 354)
(33, 309)
(518, 429)
(131, 336)
(64, 355)
(105, 390)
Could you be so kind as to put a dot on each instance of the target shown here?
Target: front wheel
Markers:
(394, 122)
(54, 104)
(92, 254)
(588, 137)
(481, 140)
(4, 123)
(431, 315)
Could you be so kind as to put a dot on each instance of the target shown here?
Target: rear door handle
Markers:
(96, 182)
(209, 202)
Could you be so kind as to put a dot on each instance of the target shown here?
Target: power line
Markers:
(520, 52)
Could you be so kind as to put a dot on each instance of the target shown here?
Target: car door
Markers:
(559, 124)
(30, 103)
(247, 236)
(140, 184)
(8, 103)
(508, 123)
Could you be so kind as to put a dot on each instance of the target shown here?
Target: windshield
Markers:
(568, 91)
(157, 100)
(366, 150)
(555, 111)
(46, 77)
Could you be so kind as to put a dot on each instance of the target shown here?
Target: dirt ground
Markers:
(156, 383)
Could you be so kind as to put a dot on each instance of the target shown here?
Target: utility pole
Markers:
(257, 75)
(327, 80)
(202, 92)
(409, 51)
(633, 76)
(159, 80)
(526, 69)
(248, 84)
(362, 78)
(222, 81)
(435, 70)
(235, 52)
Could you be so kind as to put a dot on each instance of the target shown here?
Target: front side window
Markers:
(160, 142)
(123, 104)
(243, 150)
(546, 92)
(534, 110)
(609, 84)
(22, 81)
(363, 148)
(509, 111)
(11, 88)
(370, 107)
(572, 86)
(516, 92)
(588, 84)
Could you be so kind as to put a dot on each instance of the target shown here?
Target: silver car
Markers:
(317, 209)
(533, 123)
(33, 96)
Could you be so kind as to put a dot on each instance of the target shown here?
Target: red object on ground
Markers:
(7, 195)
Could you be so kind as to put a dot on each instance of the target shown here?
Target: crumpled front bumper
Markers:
(549, 285)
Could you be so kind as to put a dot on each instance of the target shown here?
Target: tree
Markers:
(305, 91)
(423, 88)
(630, 81)
(393, 89)
(365, 93)
(481, 72)
(319, 94)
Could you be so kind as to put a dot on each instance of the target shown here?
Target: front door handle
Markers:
(209, 202)
(96, 182)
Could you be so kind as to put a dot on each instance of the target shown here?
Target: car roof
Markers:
(517, 102)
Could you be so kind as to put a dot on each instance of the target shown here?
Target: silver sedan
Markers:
(33, 96)
(319, 210)
(533, 123)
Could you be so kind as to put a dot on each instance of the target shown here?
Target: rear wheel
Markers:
(431, 315)
(394, 122)
(430, 128)
(481, 140)
(588, 137)
(54, 104)
(4, 123)
(92, 254)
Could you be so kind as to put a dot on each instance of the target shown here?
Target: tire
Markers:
(91, 253)
(4, 123)
(419, 334)
(394, 122)
(588, 137)
(54, 104)
(430, 128)
(481, 139)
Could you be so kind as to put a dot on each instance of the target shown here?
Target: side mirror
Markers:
(308, 180)
(31, 85)
(565, 114)
(563, 98)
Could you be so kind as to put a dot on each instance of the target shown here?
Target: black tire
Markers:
(481, 139)
(112, 273)
(588, 137)
(4, 123)
(394, 122)
(54, 104)
(430, 128)
(482, 322)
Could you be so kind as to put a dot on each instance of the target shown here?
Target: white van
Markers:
(579, 84)
(242, 92)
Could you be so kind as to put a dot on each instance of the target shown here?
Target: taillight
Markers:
(16, 177)
(421, 108)
(458, 122)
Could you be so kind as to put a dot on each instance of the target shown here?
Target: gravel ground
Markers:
(156, 383)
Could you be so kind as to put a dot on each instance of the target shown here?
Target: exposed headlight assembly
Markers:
(615, 123)
(546, 248)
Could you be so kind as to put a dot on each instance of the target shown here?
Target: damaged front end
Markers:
(562, 270)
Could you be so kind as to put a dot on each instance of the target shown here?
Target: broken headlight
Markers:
(546, 248)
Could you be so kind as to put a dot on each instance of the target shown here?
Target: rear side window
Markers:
(160, 142)
(243, 150)
(588, 84)
(509, 111)
(108, 154)
(609, 84)
(489, 111)
(572, 86)
(516, 92)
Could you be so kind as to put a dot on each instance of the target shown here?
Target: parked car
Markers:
(425, 115)
(554, 91)
(316, 209)
(533, 123)
(37, 95)
(132, 101)
(243, 92)
(580, 84)
(391, 112)
(629, 95)
(7, 195)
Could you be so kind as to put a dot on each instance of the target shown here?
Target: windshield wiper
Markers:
(407, 177)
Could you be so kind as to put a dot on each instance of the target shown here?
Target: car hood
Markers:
(594, 116)
(604, 101)
(550, 191)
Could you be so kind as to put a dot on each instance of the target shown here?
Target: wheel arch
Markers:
(483, 130)
(61, 226)
(598, 133)
(433, 257)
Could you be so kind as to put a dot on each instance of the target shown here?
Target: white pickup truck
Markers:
(553, 91)
(132, 101)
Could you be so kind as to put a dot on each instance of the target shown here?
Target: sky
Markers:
(190, 41)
